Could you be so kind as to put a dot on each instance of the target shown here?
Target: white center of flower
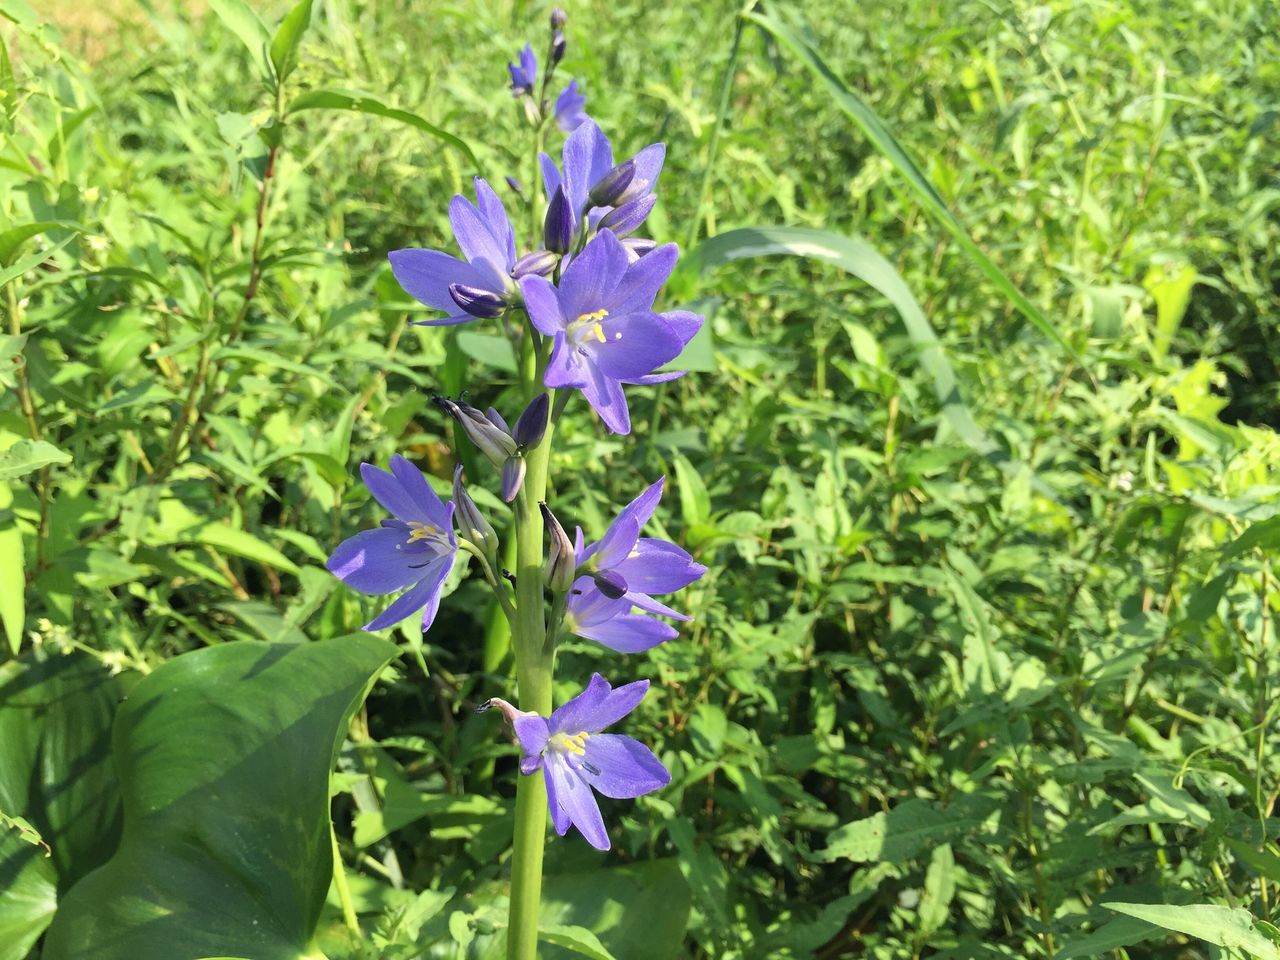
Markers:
(588, 327)
(575, 744)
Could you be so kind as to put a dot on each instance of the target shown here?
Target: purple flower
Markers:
(570, 108)
(578, 758)
(481, 285)
(588, 158)
(524, 74)
(619, 572)
(415, 549)
(606, 333)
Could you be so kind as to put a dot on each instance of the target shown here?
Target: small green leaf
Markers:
(284, 46)
(939, 890)
(695, 502)
(8, 91)
(13, 585)
(238, 17)
(492, 351)
(27, 456)
(578, 939)
(1224, 926)
(363, 103)
(11, 240)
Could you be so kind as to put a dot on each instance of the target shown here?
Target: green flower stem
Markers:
(534, 666)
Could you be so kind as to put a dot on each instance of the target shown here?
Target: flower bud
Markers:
(539, 262)
(514, 184)
(483, 304)
(558, 19)
(490, 439)
(562, 562)
(611, 583)
(474, 526)
(608, 190)
(512, 476)
(626, 218)
(532, 424)
(637, 247)
(558, 46)
(557, 230)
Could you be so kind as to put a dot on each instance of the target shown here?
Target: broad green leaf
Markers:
(858, 258)
(56, 774)
(11, 240)
(1264, 535)
(578, 939)
(284, 46)
(883, 140)
(1223, 926)
(907, 830)
(493, 351)
(363, 103)
(1170, 285)
(224, 757)
(939, 890)
(13, 584)
(240, 18)
(27, 456)
(1120, 932)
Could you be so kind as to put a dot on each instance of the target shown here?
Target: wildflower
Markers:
(473, 523)
(588, 159)
(604, 328)
(414, 549)
(562, 562)
(481, 286)
(524, 74)
(492, 437)
(571, 108)
(578, 758)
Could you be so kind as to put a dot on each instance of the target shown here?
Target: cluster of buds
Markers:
(503, 447)
(569, 112)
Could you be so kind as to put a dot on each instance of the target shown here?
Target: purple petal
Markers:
(588, 283)
(607, 399)
(543, 304)
(388, 491)
(426, 275)
(443, 322)
(641, 508)
(657, 566)
(569, 108)
(627, 767)
(598, 706)
(652, 378)
(436, 574)
(565, 368)
(618, 541)
(575, 798)
(685, 323)
(480, 246)
(649, 163)
(494, 212)
(416, 487)
(628, 633)
(640, 285)
(530, 765)
(378, 561)
(633, 345)
(650, 605)
(532, 731)
(588, 156)
(550, 174)
(411, 601)
(587, 605)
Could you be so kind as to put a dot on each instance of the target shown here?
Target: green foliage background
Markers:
(937, 700)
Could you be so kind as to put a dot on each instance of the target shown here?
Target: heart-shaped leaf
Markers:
(224, 757)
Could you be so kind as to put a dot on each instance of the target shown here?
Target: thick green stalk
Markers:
(534, 663)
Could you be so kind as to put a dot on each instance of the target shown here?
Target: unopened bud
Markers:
(514, 184)
(532, 424)
(637, 188)
(558, 46)
(558, 19)
(628, 217)
(539, 263)
(474, 526)
(608, 190)
(557, 229)
(611, 583)
(562, 562)
(490, 439)
(512, 477)
(637, 247)
(483, 304)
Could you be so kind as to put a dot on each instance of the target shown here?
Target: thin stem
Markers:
(534, 665)
(499, 590)
(340, 884)
(25, 400)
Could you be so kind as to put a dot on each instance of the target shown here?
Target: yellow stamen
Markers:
(575, 744)
(592, 321)
(421, 531)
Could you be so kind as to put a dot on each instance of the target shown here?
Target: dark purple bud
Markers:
(637, 188)
(562, 561)
(539, 263)
(479, 303)
(558, 19)
(611, 583)
(512, 476)
(609, 188)
(629, 216)
(471, 521)
(637, 247)
(532, 424)
(490, 439)
(557, 230)
(514, 184)
(558, 46)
